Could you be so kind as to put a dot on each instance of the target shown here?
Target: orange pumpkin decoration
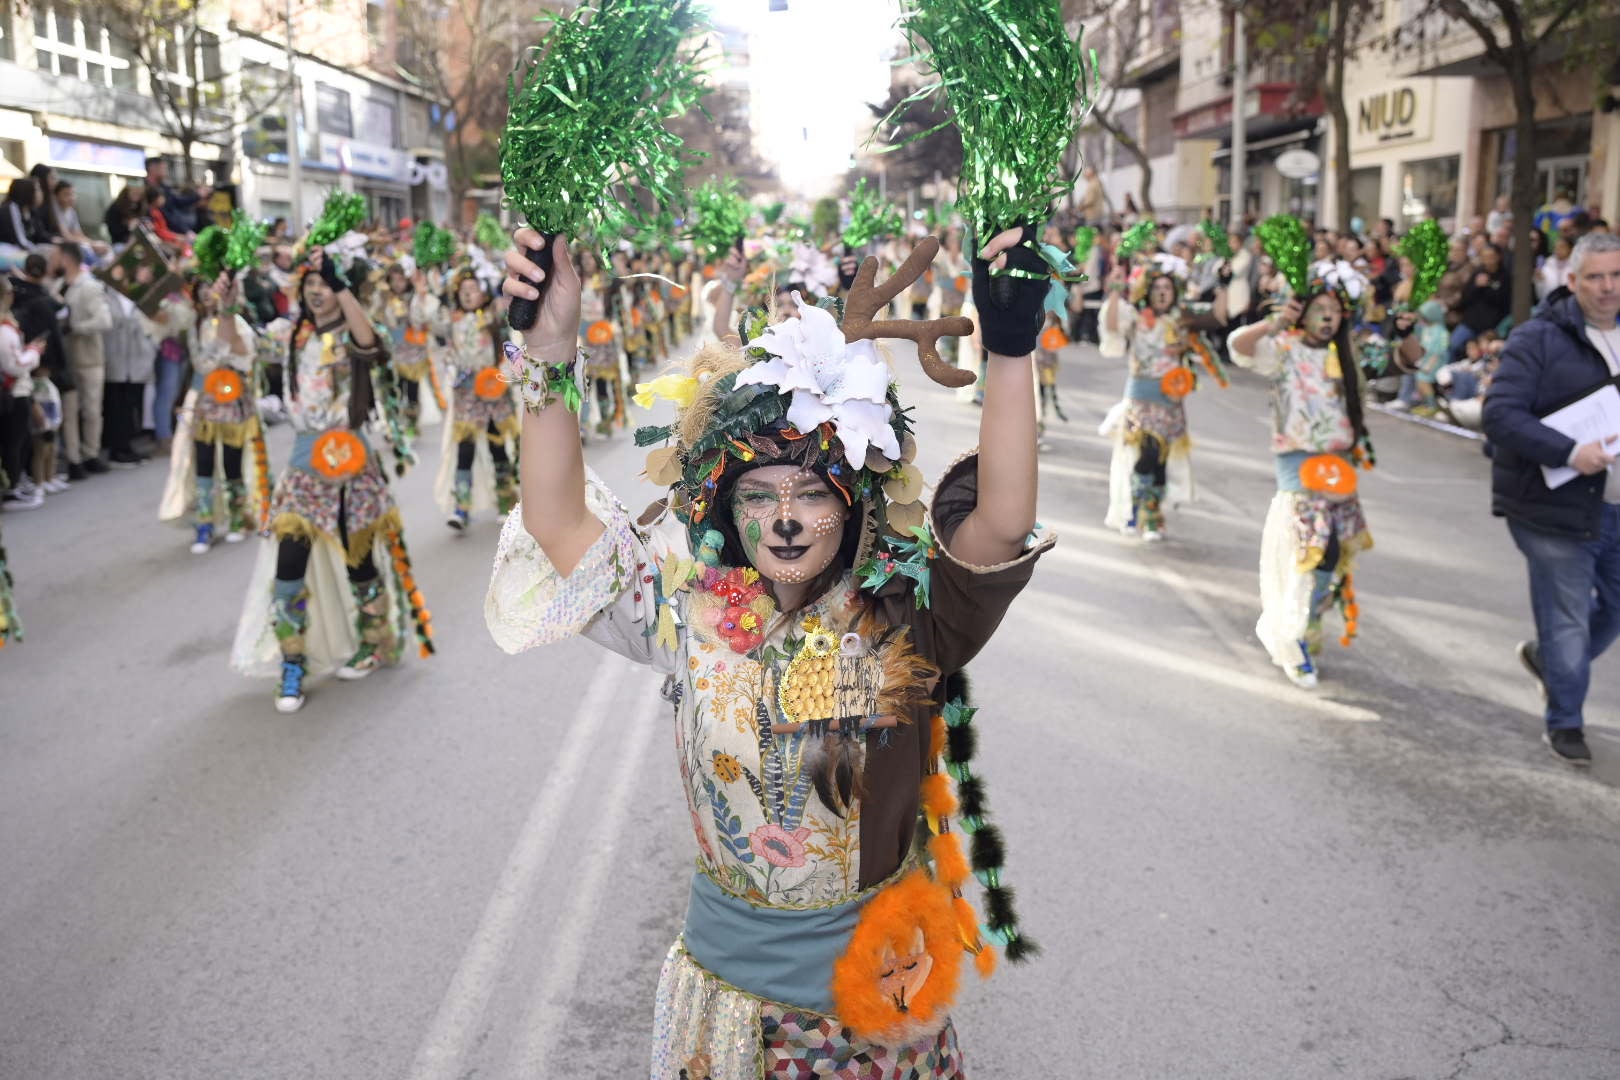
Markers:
(635, 317)
(709, 272)
(599, 332)
(1177, 383)
(963, 283)
(1053, 339)
(339, 455)
(223, 385)
(1328, 474)
(416, 335)
(488, 384)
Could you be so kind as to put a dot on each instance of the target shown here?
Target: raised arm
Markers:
(361, 331)
(731, 275)
(551, 466)
(995, 531)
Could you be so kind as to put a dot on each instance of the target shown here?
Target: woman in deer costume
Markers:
(811, 614)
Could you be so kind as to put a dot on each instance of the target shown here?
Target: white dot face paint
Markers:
(790, 520)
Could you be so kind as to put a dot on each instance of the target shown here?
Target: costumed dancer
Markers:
(334, 588)
(1152, 461)
(803, 604)
(599, 335)
(219, 424)
(408, 310)
(1315, 527)
(478, 469)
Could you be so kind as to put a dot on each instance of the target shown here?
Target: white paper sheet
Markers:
(1594, 418)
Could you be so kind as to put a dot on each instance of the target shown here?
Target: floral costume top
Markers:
(481, 396)
(409, 321)
(333, 467)
(1307, 395)
(762, 831)
(1149, 413)
(224, 383)
(601, 357)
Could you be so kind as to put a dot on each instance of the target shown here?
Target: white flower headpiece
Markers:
(1341, 277)
(828, 379)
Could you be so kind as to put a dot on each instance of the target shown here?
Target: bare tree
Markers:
(923, 148)
(1114, 27)
(1518, 37)
(460, 52)
(718, 133)
(196, 98)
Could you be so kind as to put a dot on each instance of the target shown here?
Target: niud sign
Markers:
(1388, 116)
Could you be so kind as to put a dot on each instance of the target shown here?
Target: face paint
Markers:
(790, 522)
(1321, 320)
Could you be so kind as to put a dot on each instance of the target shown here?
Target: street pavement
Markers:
(472, 866)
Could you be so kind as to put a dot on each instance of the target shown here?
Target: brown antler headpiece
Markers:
(866, 298)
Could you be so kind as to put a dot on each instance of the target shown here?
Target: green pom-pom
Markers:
(869, 217)
(1143, 236)
(246, 237)
(1426, 245)
(1289, 244)
(209, 250)
(1218, 242)
(431, 245)
(719, 218)
(341, 214)
(1017, 86)
(1085, 238)
(587, 107)
(489, 234)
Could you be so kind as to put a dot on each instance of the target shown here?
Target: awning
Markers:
(1275, 142)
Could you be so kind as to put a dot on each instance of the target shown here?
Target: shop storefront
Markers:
(1409, 149)
(98, 171)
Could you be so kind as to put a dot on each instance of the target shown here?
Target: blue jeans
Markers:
(166, 394)
(1575, 597)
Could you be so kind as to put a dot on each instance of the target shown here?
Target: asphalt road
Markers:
(472, 866)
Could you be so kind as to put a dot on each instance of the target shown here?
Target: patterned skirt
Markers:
(1163, 422)
(474, 414)
(411, 361)
(349, 514)
(233, 423)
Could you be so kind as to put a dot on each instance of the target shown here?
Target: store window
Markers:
(332, 114)
(1364, 194)
(67, 45)
(1563, 159)
(378, 122)
(1429, 189)
(92, 193)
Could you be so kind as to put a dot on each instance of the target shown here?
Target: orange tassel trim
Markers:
(438, 392)
(938, 800)
(951, 866)
(261, 465)
(419, 612)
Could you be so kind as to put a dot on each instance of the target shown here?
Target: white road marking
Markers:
(455, 1026)
(565, 953)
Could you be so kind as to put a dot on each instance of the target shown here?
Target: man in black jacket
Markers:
(1570, 534)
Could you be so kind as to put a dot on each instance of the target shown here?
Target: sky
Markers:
(812, 70)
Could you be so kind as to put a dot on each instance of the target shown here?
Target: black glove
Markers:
(1224, 275)
(331, 274)
(849, 264)
(1010, 307)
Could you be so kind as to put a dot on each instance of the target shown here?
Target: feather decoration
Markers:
(1289, 244)
(1017, 87)
(1426, 245)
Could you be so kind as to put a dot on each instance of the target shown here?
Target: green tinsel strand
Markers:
(1143, 236)
(1285, 238)
(246, 237)
(869, 217)
(1018, 88)
(209, 250)
(1426, 245)
(489, 234)
(719, 218)
(341, 214)
(1218, 243)
(587, 111)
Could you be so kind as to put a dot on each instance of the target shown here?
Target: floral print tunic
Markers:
(1307, 394)
(473, 336)
(409, 321)
(219, 415)
(1148, 412)
(762, 831)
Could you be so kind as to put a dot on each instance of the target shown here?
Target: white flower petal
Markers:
(806, 411)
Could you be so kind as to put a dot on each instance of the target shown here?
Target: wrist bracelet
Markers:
(729, 285)
(539, 383)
